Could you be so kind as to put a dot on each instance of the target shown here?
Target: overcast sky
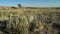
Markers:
(31, 3)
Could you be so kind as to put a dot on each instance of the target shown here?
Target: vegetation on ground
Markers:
(30, 21)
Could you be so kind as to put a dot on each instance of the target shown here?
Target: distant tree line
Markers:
(19, 6)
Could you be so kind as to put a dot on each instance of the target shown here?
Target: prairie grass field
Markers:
(26, 20)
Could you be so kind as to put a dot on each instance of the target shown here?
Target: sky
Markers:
(31, 3)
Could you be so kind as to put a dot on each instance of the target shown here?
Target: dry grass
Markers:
(19, 20)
